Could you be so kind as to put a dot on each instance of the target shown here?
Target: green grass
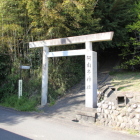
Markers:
(22, 104)
(126, 81)
(133, 132)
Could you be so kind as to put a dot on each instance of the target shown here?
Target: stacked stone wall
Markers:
(126, 117)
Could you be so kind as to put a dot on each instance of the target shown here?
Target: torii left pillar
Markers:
(44, 76)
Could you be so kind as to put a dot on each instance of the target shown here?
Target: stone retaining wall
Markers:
(126, 117)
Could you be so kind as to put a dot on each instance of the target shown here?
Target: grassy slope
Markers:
(126, 81)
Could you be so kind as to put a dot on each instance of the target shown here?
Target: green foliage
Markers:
(133, 131)
(23, 21)
(131, 50)
(22, 104)
(9, 85)
(115, 16)
(4, 66)
(31, 92)
(63, 74)
(126, 80)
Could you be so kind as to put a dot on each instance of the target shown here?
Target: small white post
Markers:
(19, 88)
(90, 77)
(44, 76)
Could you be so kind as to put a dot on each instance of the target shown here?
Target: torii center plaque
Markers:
(90, 62)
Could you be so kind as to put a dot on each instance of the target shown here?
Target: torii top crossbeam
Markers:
(107, 36)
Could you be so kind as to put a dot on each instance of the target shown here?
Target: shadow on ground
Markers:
(6, 135)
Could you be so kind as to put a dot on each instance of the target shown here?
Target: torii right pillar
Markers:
(90, 77)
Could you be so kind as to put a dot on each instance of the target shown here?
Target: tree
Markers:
(23, 21)
(115, 16)
(131, 51)
(68, 18)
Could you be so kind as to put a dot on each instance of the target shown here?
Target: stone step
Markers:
(86, 115)
(108, 92)
(103, 89)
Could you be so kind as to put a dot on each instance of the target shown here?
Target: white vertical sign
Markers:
(91, 79)
(19, 88)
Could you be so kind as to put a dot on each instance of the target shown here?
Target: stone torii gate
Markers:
(90, 62)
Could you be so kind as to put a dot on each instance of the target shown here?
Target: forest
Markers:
(24, 21)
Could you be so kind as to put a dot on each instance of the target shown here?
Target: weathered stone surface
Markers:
(103, 102)
(128, 105)
(99, 110)
(138, 110)
(98, 114)
(110, 123)
(99, 105)
(127, 125)
(106, 111)
(116, 113)
(137, 98)
(109, 103)
(106, 123)
(132, 126)
(109, 116)
(120, 119)
(102, 110)
(78, 117)
(119, 109)
(132, 115)
(91, 119)
(137, 116)
(105, 116)
(111, 111)
(110, 107)
(107, 120)
(102, 121)
(85, 118)
(114, 123)
(101, 116)
(112, 103)
(118, 124)
(113, 117)
(136, 122)
(87, 112)
(123, 125)
(105, 106)
(116, 119)
(134, 106)
(137, 128)
(123, 114)
(114, 107)
(130, 110)
(130, 122)
(125, 119)
(106, 102)
(124, 108)
(127, 114)
(129, 95)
